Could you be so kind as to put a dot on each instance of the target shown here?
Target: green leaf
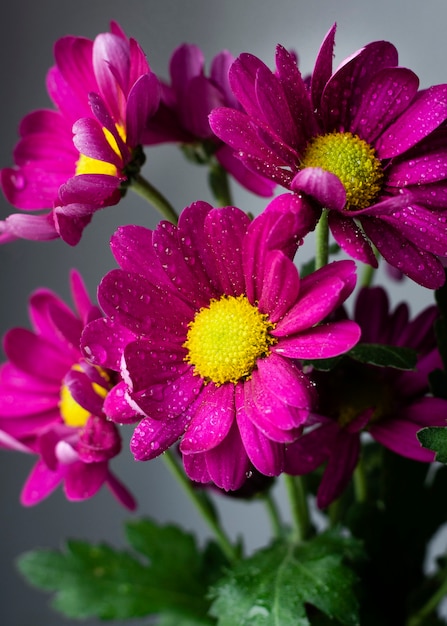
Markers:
(100, 581)
(373, 354)
(275, 585)
(435, 438)
(384, 356)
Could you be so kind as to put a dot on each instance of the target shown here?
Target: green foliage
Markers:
(279, 585)
(435, 438)
(168, 574)
(372, 354)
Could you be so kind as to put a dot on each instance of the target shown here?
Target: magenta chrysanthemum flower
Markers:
(362, 141)
(78, 158)
(206, 322)
(184, 108)
(391, 405)
(51, 402)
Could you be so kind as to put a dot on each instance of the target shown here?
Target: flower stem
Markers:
(299, 507)
(203, 505)
(430, 606)
(272, 509)
(219, 184)
(322, 241)
(143, 188)
(360, 483)
(368, 275)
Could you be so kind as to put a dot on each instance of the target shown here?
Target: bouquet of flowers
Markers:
(228, 355)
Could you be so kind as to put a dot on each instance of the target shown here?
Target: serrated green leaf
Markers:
(435, 438)
(273, 587)
(384, 356)
(100, 581)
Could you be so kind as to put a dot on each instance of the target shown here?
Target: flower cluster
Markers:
(212, 336)
(51, 402)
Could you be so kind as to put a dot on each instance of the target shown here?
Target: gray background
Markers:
(28, 30)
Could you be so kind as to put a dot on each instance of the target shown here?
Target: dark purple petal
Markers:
(298, 100)
(324, 187)
(274, 107)
(98, 441)
(321, 342)
(214, 414)
(142, 103)
(83, 393)
(250, 180)
(196, 468)
(267, 456)
(285, 380)
(323, 67)
(311, 450)
(280, 286)
(103, 342)
(34, 227)
(83, 480)
(242, 79)
(351, 238)
(166, 402)
(117, 408)
(89, 139)
(41, 483)
(427, 111)
(152, 437)
(383, 101)
(422, 267)
(347, 84)
(225, 230)
(141, 306)
(339, 469)
(275, 409)
(35, 355)
(263, 420)
(399, 435)
(186, 62)
(228, 463)
(148, 364)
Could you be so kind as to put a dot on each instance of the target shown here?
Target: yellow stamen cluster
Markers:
(353, 160)
(87, 165)
(225, 340)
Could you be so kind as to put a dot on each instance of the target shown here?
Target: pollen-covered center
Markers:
(88, 165)
(225, 340)
(354, 162)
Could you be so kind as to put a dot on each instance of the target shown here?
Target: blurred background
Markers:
(28, 30)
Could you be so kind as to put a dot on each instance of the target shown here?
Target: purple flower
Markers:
(206, 322)
(184, 108)
(51, 402)
(78, 158)
(391, 405)
(362, 141)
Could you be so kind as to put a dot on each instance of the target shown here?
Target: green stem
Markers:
(360, 483)
(430, 606)
(203, 505)
(219, 184)
(322, 241)
(274, 516)
(143, 188)
(298, 507)
(368, 275)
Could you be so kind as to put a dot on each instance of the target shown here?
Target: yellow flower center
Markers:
(226, 339)
(353, 161)
(73, 413)
(87, 165)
